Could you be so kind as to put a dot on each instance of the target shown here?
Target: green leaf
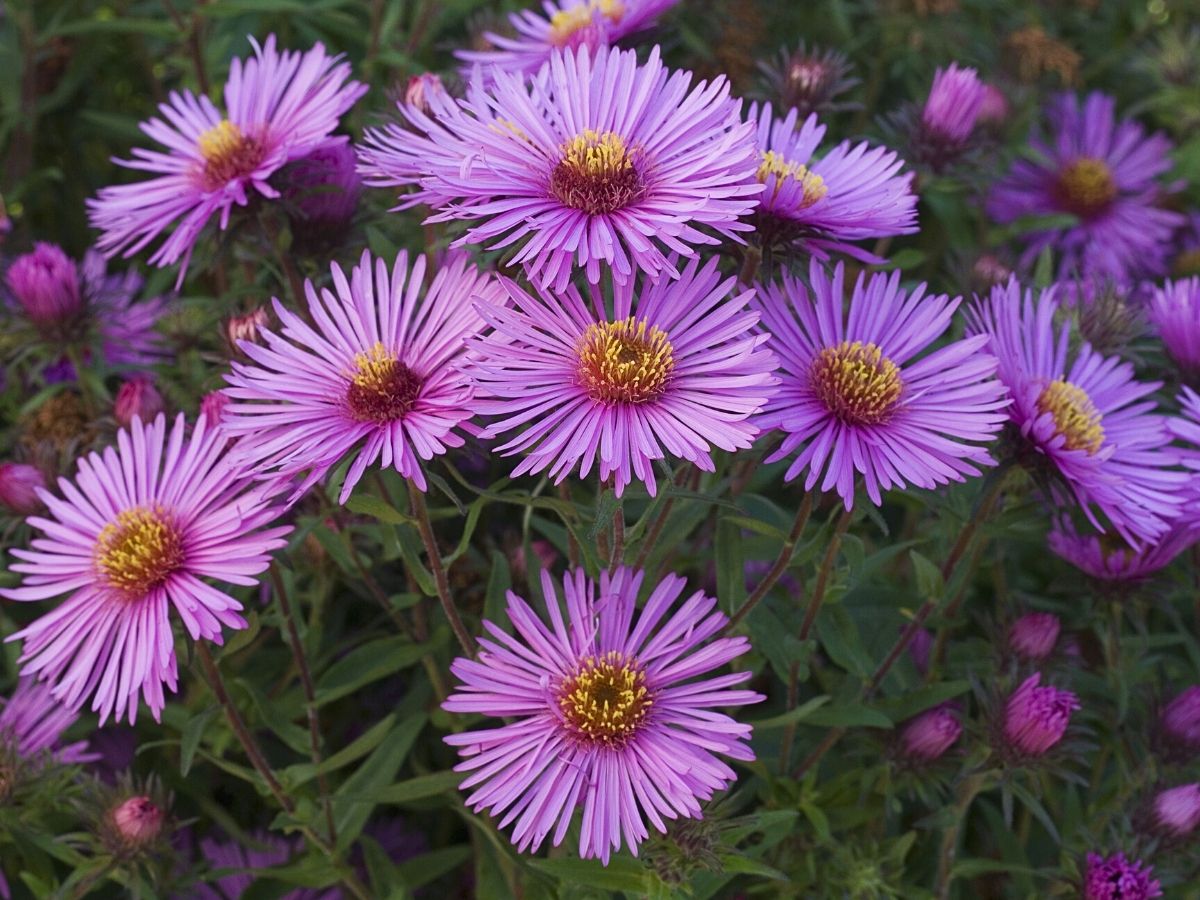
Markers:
(904, 707)
(851, 715)
(378, 508)
(621, 873)
(245, 637)
(370, 662)
(190, 737)
(428, 867)
(929, 576)
(799, 714)
(358, 795)
(741, 864)
(731, 565)
(298, 775)
(420, 788)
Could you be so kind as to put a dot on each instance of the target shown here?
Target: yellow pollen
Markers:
(627, 361)
(1075, 416)
(565, 23)
(596, 155)
(811, 183)
(606, 700)
(229, 153)
(381, 389)
(856, 382)
(1086, 186)
(138, 551)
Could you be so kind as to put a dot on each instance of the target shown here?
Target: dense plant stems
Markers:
(421, 514)
(818, 595)
(778, 567)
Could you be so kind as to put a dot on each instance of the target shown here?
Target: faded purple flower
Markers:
(1034, 635)
(19, 485)
(1109, 558)
(1177, 810)
(1181, 720)
(322, 190)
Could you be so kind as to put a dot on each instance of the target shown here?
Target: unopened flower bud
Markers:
(1177, 810)
(1034, 635)
(212, 406)
(930, 734)
(421, 89)
(19, 484)
(323, 190)
(137, 397)
(136, 822)
(1036, 717)
(1181, 720)
(246, 327)
(994, 109)
(46, 285)
(953, 105)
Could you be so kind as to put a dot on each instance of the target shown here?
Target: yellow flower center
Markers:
(596, 173)
(856, 382)
(811, 183)
(381, 389)
(228, 154)
(566, 23)
(606, 700)
(1075, 416)
(1086, 187)
(627, 361)
(138, 551)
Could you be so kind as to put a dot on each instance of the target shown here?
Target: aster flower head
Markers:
(564, 25)
(1177, 810)
(32, 723)
(1084, 415)
(45, 284)
(1036, 716)
(929, 735)
(1108, 558)
(1175, 312)
(1104, 173)
(1186, 428)
(595, 161)
(280, 106)
(1117, 878)
(823, 205)
(675, 370)
(376, 375)
(808, 79)
(605, 712)
(1034, 635)
(953, 105)
(854, 398)
(134, 536)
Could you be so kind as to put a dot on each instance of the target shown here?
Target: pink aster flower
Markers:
(594, 161)
(376, 376)
(852, 193)
(1108, 558)
(1117, 878)
(605, 713)
(33, 721)
(1175, 311)
(280, 107)
(1104, 173)
(855, 399)
(954, 103)
(1036, 716)
(1084, 414)
(676, 370)
(134, 537)
(565, 24)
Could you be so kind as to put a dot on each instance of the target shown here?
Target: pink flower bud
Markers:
(953, 104)
(1181, 719)
(247, 327)
(994, 109)
(1034, 635)
(18, 488)
(137, 397)
(137, 821)
(46, 284)
(1036, 718)
(919, 649)
(930, 734)
(212, 407)
(1177, 810)
(422, 89)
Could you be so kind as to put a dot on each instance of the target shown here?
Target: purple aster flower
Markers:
(929, 735)
(565, 25)
(123, 324)
(32, 723)
(132, 538)
(954, 103)
(1036, 716)
(378, 372)
(852, 193)
(1177, 810)
(1034, 635)
(236, 867)
(19, 485)
(1186, 428)
(1181, 721)
(1108, 558)
(280, 107)
(1084, 414)
(1175, 312)
(1103, 173)
(593, 161)
(45, 284)
(853, 400)
(676, 371)
(604, 713)
(1116, 878)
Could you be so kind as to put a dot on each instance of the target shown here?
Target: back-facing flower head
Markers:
(822, 205)
(134, 536)
(1105, 174)
(605, 712)
(675, 369)
(594, 161)
(280, 106)
(854, 398)
(1084, 414)
(378, 374)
